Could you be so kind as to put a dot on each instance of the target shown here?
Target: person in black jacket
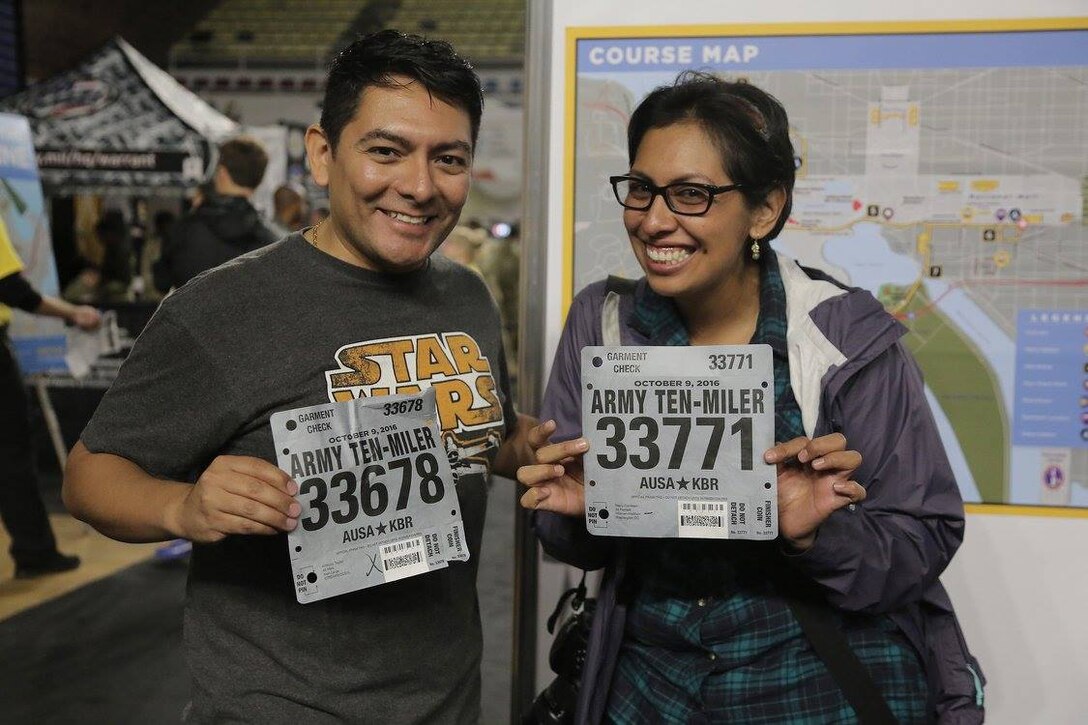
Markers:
(225, 224)
(22, 512)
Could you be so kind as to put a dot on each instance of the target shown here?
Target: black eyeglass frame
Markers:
(662, 191)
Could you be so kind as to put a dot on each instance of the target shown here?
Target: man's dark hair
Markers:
(374, 59)
(748, 125)
(245, 161)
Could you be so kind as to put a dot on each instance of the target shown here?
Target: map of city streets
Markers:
(947, 174)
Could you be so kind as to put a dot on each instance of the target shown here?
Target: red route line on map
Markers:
(600, 106)
(928, 308)
(1024, 281)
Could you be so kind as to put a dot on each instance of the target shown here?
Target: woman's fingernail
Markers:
(581, 445)
(294, 510)
(770, 457)
(292, 487)
(818, 463)
(802, 456)
(291, 524)
(558, 470)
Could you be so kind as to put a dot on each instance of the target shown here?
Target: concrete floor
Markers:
(61, 664)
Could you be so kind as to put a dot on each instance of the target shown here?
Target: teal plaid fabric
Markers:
(657, 318)
(708, 639)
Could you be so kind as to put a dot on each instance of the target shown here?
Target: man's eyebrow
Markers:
(385, 135)
(381, 133)
(464, 146)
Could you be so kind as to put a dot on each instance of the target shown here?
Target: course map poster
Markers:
(944, 171)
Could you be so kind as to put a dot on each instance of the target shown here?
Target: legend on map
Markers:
(1051, 405)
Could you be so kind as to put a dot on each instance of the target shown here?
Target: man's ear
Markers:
(765, 216)
(221, 179)
(319, 153)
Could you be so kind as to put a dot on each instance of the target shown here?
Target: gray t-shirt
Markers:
(280, 328)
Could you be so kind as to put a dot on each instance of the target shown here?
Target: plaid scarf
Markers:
(658, 319)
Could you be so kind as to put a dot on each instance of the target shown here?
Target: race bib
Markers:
(677, 436)
(378, 497)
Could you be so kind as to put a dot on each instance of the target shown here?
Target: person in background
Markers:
(289, 209)
(117, 258)
(499, 261)
(33, 546)
(83, 288)
(462, 246)
(201, 192)
(225, 224)
(715, 631)
(161, 224)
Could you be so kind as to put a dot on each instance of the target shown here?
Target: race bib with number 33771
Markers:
(378, 496)
(677, 436)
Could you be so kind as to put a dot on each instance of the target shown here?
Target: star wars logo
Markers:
(469, 410)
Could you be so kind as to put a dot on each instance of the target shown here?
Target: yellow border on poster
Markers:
(1007, 509)
(574, 34)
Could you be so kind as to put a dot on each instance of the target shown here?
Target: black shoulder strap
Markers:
(828, 641)
(830, 644)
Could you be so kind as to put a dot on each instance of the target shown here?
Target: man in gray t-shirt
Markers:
(350, 308)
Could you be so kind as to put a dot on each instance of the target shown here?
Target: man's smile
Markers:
(407, 218)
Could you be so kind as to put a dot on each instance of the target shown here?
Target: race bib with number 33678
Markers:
(378, 496)
(677, 436)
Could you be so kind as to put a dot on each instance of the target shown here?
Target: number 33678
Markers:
(402, 406)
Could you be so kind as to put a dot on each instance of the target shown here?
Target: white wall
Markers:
(1019, 584)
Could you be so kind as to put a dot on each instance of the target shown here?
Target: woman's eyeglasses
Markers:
(686, 198)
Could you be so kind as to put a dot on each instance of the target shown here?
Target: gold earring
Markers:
(755, 250)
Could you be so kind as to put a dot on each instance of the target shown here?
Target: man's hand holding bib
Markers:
(378, 496)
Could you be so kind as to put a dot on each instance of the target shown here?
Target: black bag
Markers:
(567, 657)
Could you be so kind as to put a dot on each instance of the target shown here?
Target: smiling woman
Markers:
(868, 508)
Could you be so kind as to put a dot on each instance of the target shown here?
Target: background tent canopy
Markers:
(118, 123)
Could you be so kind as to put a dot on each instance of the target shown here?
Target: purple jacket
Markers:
(849, 374)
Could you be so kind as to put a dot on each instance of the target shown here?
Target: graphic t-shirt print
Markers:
(469, 410)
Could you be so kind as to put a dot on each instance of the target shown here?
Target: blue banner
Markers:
(39, 342)
(836, 52)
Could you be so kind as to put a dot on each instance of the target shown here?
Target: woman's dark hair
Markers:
(374, 59)
(749, 126)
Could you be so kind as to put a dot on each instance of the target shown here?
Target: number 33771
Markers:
(636, 443)
(730, 361)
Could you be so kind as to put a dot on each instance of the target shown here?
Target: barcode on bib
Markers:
(403, 558)
(396, 562)
(702, 519)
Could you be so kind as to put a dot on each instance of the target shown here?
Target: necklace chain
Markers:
(313, 234)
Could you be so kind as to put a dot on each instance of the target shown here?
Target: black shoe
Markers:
(53, 564)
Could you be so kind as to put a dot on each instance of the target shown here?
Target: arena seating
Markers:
(490, 32)
(303, 33)
(293, 32)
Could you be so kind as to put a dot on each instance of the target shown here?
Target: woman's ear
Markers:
(765, 216)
